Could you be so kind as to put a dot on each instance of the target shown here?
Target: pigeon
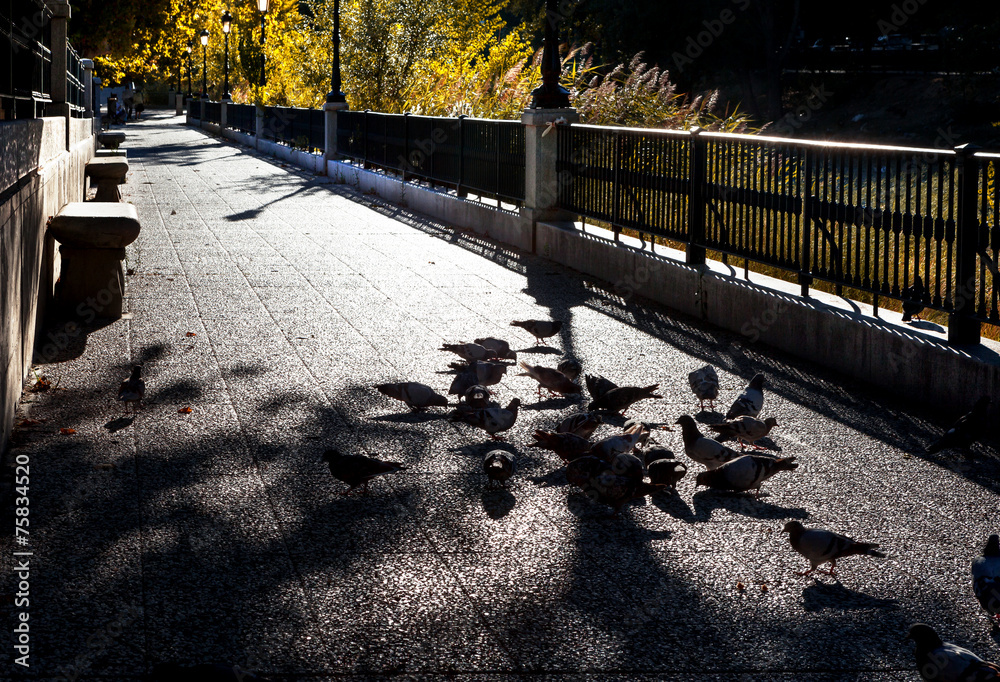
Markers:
(582, 424)
(133, 389)
(551, 379)
(665, 472)
(746, 430)
(499, 467)
(986, 578)
(568, 446)
(203, 672)
(656, 453)
(939, 661)
(706, 451)
(912, 297)
(469, 351)
(598, 385)
(623, 397)
(820, 546)
(477, 397)
(613, 484)
(612, 446)
(355, 470)
(570, 367)
(481, 373)
(540, 329)
(966, 431)
(500, 347)
(745, 473)
(750, 401)
(417, 396)
(646, 427)
(492, 420)
(705, 384)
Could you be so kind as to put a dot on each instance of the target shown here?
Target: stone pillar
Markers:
(60, 42)
(542, 182)
(224, 116)
(179, 104)
(331, 109)
(88, 87)
(201, 116)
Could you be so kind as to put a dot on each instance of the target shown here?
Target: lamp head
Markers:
(262, 6)
(227, 21)
(204, 36)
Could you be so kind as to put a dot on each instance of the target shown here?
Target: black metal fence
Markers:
(242, 117)
(300, 128)
(212, 112)
(25, 59)
(876, 219)
(471, 155)
(75, 88)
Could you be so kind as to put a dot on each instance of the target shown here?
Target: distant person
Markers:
(129, 97)
(140, 105)
(121, 115)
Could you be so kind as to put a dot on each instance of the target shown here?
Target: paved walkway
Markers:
(270, 301)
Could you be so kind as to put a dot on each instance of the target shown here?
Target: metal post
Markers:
(805, 253)
(226, 96)
(963, 327)
(263, 58)
(696, 200)
(204, 71)
(550, 95)
(336, 95)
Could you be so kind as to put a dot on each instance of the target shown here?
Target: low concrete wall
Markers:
(832, 331)
(503, 226)
(38, 176)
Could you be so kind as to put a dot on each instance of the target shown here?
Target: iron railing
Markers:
(75, 88)
(896, 222)
(471, 155)
(299, 128)
(212, 112)
(25, 59)
(242, 117)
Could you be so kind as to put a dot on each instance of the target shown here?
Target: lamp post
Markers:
(227, 22)
(335, 95)
(262, 6)
(204, 63)
(550, 95)
(190, 46)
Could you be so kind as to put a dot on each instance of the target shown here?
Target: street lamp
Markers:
(262, 7)
(336, 95)
(204, 63)
(227, 22)
(550, 95)
(190, 46)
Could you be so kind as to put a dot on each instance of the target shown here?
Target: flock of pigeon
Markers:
(610, 470)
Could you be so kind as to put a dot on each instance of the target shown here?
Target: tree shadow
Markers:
(822, 595)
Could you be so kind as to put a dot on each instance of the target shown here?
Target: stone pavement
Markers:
(270, 301)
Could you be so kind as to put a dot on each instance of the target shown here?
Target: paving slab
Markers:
(268, 301)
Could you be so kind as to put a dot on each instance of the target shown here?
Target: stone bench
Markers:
(110, 153)
(92, 238)
(111, 139)
(109, 173)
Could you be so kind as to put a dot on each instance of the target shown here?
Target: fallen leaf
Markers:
(29, 422)
(740, 586)
(185, 410)
(763, 588)
(67, 432)
(173, 213)
(191, 334)
(104, 466)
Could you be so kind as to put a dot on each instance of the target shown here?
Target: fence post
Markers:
(223, 115)
(696, 200)
(258, 129)
(406, 145)
(541, 173)
(461, 156)
(962, 325)
(88, 87)
(805, 252)
(59, 89)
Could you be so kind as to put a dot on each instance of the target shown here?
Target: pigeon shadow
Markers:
(180, 390)
(707, 501)
(410, 417)
(116, 425)
(926, 325)
(670, 502)
(497, 502)
(821, 595)
(551, 404)
(551, 479)
(540, 350)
